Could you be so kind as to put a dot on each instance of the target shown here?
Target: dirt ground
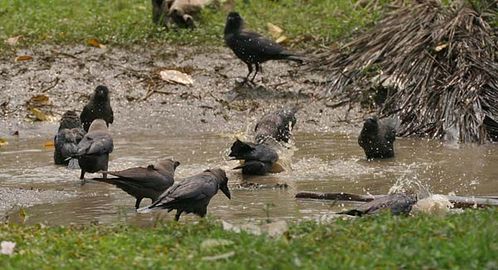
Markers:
(216, 102)
(68, 75)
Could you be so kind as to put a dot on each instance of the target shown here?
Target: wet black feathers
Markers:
(398, 204)
(377, 138)
(94, 148)
(98, 107)
(192, 194)
(149, 182)
(66, 140)
(258, 158)
(277, 125)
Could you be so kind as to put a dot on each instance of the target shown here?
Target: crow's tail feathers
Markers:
(73, 164)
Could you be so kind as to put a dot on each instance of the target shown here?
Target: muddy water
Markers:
(320, 162)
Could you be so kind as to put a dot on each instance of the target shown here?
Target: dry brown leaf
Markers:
(23, 58)
(12, 41)
(39, 115)
(3, 142)
(95, 43)
(39, 100)
(274, 30)
(49, 144)
(440, 47)
(175, 76)
(281, 39)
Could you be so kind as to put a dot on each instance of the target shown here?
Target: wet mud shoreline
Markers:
(215, 103)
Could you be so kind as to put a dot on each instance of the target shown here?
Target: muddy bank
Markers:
(215, 102)
(11, 198)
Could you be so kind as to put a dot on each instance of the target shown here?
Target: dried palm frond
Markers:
(442, 63)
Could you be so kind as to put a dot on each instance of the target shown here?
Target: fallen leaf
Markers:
(23, 58)
(211, 243)
(274, 30)
(3, 142)
(219, 257)
(281, 39)
(39, 115)
(39, 100)
(12, 41)
(7, 247)
(49, 144)
(95, 43)
(175, 76)
(440, 47)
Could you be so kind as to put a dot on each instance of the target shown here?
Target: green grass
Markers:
(124, 22)
(462, 241)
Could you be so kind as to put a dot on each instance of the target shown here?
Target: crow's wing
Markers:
(191, 189)
(67, 140)
(86, 117)
(257, 44)
(96, 143)
(145, 177)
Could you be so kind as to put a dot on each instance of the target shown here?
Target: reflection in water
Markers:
(320, 162)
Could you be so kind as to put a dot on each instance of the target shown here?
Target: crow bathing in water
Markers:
(94, 148)
(258, 158)
(99, 107)
(377, 138)
(277, 125)
(141, 182)
(252, 48)
(192, 194)
(68, 136)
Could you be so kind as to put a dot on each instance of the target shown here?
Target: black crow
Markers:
(277, 125)
(192, 194)
(399, 204)
(98, 107)
(252, 48)
(377, 138)
(142, 182)
(258, 158)
(68, 136)
(94, 148)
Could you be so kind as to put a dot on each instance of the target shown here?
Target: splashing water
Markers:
(409, 182)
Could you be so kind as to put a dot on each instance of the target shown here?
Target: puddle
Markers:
(325, 162)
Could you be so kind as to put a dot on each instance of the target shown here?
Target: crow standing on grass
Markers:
(68, 136)
(377, 138)
(98, 107)
(252, 48)
(192, 194)
(94, 148)
(140, 182)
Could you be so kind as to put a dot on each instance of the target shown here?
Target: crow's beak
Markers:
(225, 191)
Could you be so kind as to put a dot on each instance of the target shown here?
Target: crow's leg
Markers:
(258, 68)
(137, 203)
(202, 213)
(177, 216)
(249, 67)
(82, 175)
